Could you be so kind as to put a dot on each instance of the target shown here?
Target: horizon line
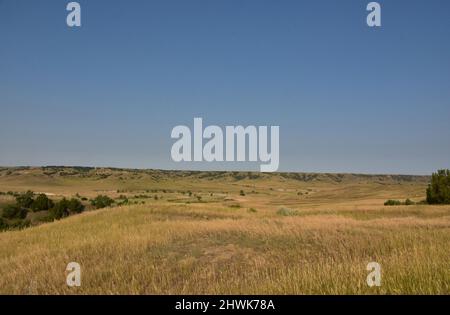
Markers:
(216, 170)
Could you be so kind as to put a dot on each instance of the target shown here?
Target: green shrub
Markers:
(3, 224)
(392, 202)
(41, 203)
(438, 191)
(14, 212)
(60, 209)
(25, 200)
(102, 201)
(409, 202)
(242, 193)
(252, 210)
(287, 212)
(75, 206)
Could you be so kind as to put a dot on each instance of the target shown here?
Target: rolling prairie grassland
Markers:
(227, 233)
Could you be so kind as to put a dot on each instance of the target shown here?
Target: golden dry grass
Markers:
(218, 246)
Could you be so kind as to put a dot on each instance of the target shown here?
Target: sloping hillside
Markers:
(227, 233)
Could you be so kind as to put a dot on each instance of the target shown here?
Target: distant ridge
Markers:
(157, 174)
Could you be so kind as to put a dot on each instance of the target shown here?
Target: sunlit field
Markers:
(227, 233)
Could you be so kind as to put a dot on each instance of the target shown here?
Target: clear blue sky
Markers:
(347, 98)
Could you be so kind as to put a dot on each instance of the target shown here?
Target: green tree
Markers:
(25, 200)
(60, 209)
(438, 191)
(41, 203)
(75, 206)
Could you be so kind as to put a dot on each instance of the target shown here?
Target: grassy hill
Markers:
(228, 233)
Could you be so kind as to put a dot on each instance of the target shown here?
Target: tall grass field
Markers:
(185, 232)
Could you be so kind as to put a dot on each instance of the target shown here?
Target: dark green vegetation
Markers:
(14, 212)
(392, 202)
(438, 191)
(16, 216)
(41, 203)
(65, 207)
(407, 202)
(102, 201)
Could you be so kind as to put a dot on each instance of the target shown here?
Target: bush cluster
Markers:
(14, 212)
(64, 208)
(25, 200)
(42, 203)
(101, 201)
(391, 202)
(14, 215)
